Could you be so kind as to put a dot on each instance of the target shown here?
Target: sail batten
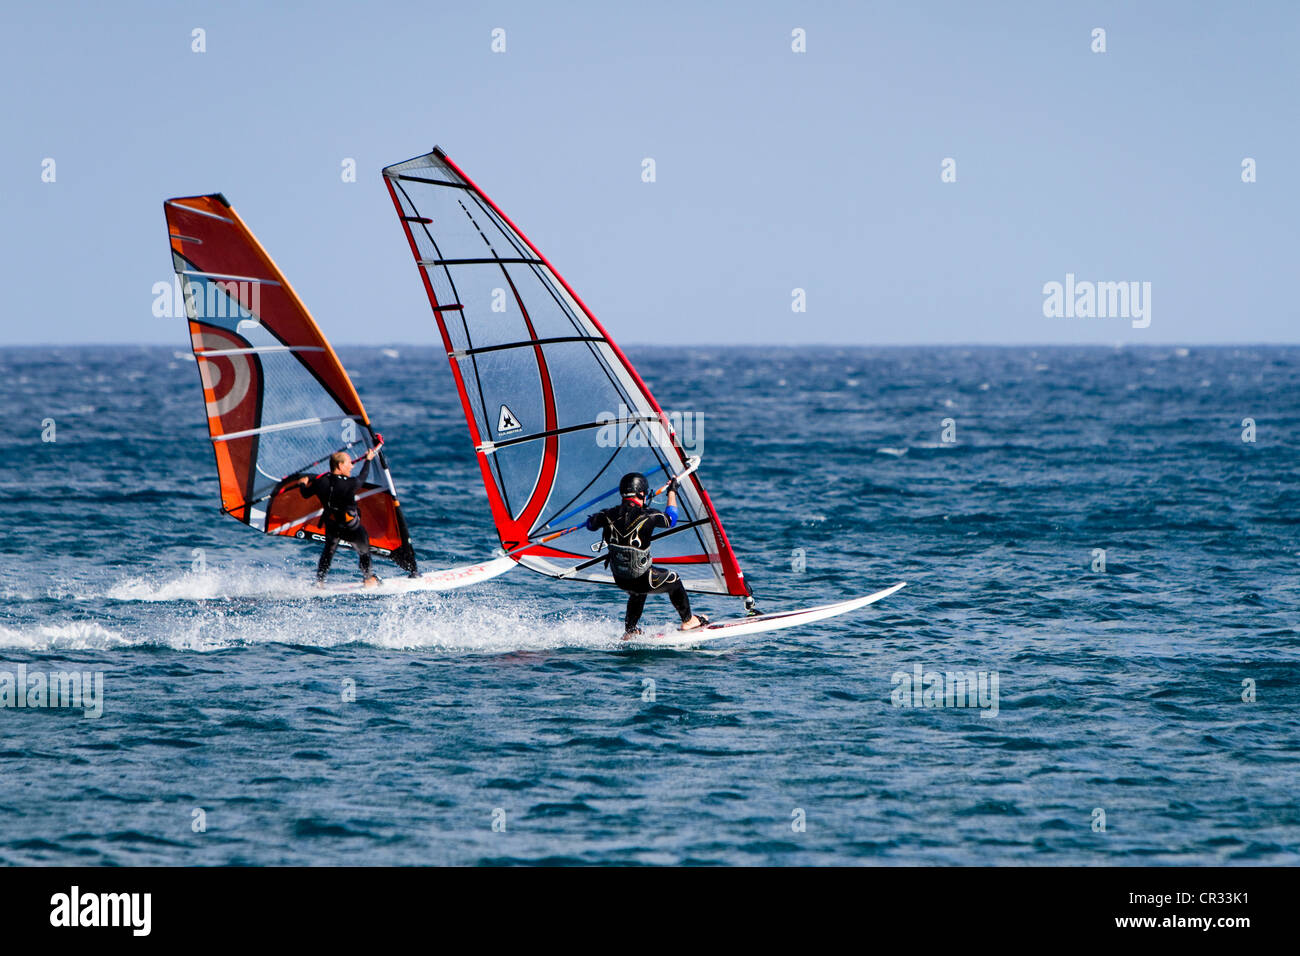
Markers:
(554, 408)
(277, 398)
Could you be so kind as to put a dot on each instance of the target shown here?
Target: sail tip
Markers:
(219, 197)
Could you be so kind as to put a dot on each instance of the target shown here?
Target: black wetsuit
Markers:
(338, 496)
(627, 530)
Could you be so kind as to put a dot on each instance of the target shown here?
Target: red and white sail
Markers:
(556, 412)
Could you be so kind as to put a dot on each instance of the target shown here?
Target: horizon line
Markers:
(725, 345)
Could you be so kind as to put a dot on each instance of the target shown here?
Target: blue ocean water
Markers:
(1146, 712)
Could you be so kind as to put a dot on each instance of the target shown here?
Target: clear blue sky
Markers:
(775, 170)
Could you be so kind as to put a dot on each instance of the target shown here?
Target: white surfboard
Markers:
(735, 627)
(444, 580)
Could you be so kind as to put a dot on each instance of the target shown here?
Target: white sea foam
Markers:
(463, 626)
(211, 585)
(206, 617)
(478, 627)
(75, 636)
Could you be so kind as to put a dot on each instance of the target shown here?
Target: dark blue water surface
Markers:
(1120, 691)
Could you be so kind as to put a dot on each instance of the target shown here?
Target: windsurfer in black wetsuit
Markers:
(337, 492)
(627, 530)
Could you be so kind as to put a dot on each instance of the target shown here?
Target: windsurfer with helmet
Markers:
(337, 492)
(627, 531)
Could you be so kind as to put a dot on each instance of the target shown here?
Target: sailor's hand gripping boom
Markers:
(371, 452)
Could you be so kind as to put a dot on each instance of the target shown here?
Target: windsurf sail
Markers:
(556, 412)
(278, 400)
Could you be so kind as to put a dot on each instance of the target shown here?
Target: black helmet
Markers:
(634, 485)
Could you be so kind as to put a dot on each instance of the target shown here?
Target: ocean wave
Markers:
(413, 622)
(76, 636)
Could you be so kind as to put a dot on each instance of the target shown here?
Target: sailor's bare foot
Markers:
(694, 622)
(370, 582)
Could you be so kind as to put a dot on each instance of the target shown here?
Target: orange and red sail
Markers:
(277, 398)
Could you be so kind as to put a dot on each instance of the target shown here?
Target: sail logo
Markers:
(628, 429)
(1098, 300)
(506, 421)
(923, 688)
(227, 379)
(74, 908)
(221, 299)
(58, 689)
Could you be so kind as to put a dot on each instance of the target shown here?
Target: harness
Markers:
(342, 514)
(629, 558)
